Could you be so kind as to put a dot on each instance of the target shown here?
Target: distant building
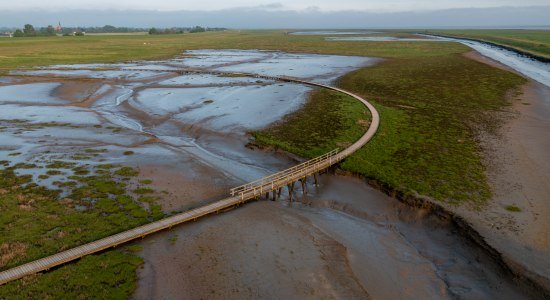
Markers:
(58, 28)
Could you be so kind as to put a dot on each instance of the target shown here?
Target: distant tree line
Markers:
(176, 30)
(29, 31)
(103, 29)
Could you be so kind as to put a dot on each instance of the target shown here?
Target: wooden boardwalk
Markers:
(239, 195)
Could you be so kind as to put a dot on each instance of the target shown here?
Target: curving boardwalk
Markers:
(239, 195)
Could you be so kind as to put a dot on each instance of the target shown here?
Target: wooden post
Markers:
(274, 195)
(290, 191)
(315, 179)
(267, 196)
(303, 182)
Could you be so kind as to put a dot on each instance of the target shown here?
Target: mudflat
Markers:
(343, 239)
(515, 221)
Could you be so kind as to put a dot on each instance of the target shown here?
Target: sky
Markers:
(262, 14)
(321, 5)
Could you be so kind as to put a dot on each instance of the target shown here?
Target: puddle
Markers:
(45, 114)
(210, 80)
(227, 109)
(90, 66)
(125, 75)
(5, 80)
(319, 68)
(213, 58)
(332, 32)
(30, 93)
(380, 39)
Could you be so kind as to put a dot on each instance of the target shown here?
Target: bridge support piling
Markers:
(304, 186)
(274, 195)
(290, 191)
(316, 180)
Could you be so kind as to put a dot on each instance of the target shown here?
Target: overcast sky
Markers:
(282, 14)
(323, 5)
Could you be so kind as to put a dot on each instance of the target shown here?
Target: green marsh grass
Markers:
(430, 110)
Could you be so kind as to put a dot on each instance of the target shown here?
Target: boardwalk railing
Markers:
(288, 176)
(239, 195)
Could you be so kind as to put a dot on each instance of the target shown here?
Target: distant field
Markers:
(535, 42)
(27, 52)
(120, 33)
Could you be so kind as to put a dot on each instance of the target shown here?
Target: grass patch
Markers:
(106, 166)
(23, 166)
(34, 216)
(143, 191)
(60, 165)
(128, 153)
(512, 208)
(127, 171)
(134, 248)
(53, 172)
(108, 186)
(36, 223)
(81, 170)
(109, 275)
(90, 150)
(329, 120)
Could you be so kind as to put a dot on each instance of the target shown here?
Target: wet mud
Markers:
(343, 239)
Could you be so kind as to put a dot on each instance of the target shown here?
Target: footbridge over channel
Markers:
(239, 195)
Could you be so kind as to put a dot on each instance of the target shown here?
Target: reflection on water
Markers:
(380, 39)
(531, 68)
(202, 116)
(333, 32)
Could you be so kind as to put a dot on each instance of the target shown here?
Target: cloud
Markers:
(298, 5)
(274, 15)
(275, 6)
(272, 6)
